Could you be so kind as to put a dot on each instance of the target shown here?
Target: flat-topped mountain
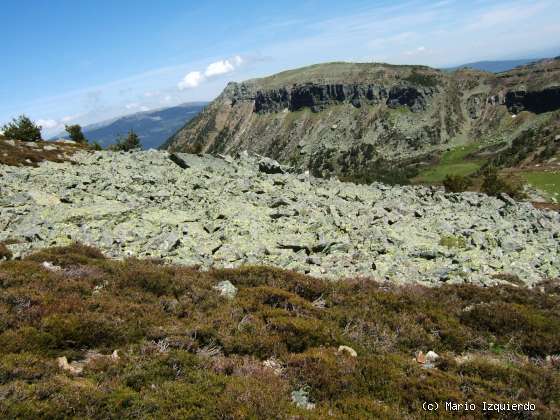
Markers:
(350, 118)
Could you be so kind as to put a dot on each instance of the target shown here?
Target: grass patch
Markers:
(187, 352)
(546, 181)
(451, 241)
(452, 162)
(18, 153)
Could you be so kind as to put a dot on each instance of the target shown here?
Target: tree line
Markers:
(24, 129)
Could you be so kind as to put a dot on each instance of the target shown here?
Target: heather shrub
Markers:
(184, 351)
(494, 184)
(456, 183)
(5, 253)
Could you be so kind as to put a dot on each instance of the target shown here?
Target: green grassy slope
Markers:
(546, 181)
(452, 162)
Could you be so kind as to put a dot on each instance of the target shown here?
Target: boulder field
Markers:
(248, 210)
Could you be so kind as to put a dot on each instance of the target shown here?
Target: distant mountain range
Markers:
(495, 66)
(153, 127)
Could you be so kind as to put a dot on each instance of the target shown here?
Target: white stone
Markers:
(431, 356)
(347, 350)
(226, 289)
(50, 266)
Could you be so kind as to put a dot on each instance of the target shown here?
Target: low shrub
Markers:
(421, 79)
(5, 253)
(494, 184)
(456, 183)
(451, 241)
(184, 351)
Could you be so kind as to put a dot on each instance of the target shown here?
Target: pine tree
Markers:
(75, 133)
(22, 128)
(131, 142)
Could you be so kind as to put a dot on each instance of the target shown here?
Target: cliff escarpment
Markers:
(346, 118)
(318, 97)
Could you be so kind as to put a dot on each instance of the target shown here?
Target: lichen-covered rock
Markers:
(226, 289)
(227, 213)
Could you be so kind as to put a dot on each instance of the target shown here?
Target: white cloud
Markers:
(48, 124)
(219, 67)
(223, 66)
(191, 80)
(237, 60)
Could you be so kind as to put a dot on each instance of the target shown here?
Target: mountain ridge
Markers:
(343, 118)
(153, 126)
(494, 66)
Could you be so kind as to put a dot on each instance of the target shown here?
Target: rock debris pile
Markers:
(226, 212)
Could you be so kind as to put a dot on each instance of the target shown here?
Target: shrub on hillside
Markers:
(5, 253)
(185, 351)
(380, 171)
(128, 143)
(456, 183)
(22, 128)
(493, 184)
(96, 146)
(75, 133)
(420, 79)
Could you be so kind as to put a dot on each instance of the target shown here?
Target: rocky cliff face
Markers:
(545, 100)
(340, 118)
(319, 97)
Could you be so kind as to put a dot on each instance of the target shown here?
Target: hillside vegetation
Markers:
(142, 339)
(24, 153)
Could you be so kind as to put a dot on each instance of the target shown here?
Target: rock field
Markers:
(226, 212)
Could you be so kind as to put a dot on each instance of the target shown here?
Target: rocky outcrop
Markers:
(227, 212)
(538, 102)
(318, 97)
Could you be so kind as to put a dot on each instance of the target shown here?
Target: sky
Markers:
(67, 61)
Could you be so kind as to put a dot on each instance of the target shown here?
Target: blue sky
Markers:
(85, 61)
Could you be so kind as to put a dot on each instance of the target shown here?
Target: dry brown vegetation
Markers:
(5, 253)
(19, 153)
(187, 352)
